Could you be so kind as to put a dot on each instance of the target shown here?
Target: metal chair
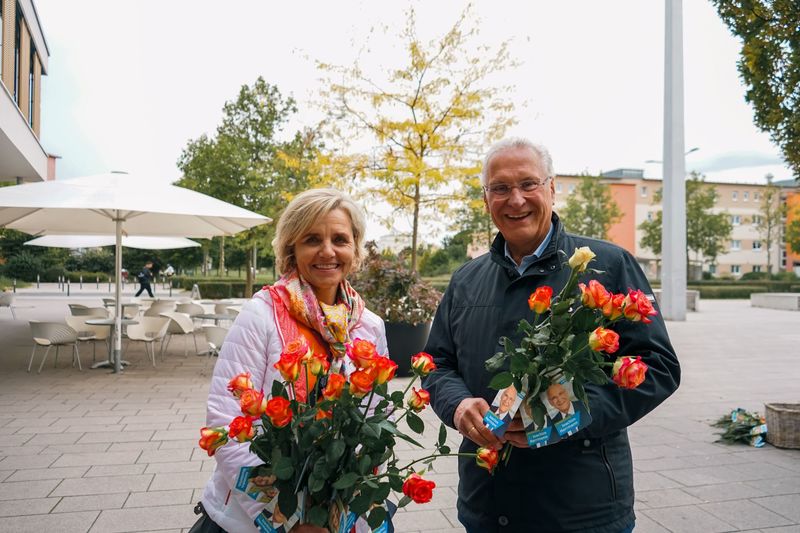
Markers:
(179, 324)
(160, 306)
(130, 310)
(51, 334)
(89, 333)
(215, 337)
(109, 302)
(233, 310)
(7, 300)
(78, 309)
(222, 308)
(149, 330)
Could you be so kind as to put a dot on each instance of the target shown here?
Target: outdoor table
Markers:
(111, 323)
(216, 317)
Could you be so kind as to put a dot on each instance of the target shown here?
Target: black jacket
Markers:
(584, 483)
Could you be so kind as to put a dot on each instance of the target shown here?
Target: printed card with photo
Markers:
(271, 520)
(565, 412)
(538, 436)
(504, 407)
(257, 482)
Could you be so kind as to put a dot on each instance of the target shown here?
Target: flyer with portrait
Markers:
(565, 416)
(504, 407)
(257, 482)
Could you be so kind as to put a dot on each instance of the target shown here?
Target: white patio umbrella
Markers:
(110, 204)
(95, 241)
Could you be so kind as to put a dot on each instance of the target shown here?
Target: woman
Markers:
(318, 242)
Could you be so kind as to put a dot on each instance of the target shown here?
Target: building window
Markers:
(736, 269)
(735, 195)
(745, 196)
(783, 258)
(644, 191)
(736, 220)
(17, 37)
(736, 244)
(571, 189)
(31, 86)
(712, 269)
(558, 188)
(756, 220)
(756, 268)
(756, 196)
(649, 216)
(757, 245)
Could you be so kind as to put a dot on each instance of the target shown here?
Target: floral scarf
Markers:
(332, 322)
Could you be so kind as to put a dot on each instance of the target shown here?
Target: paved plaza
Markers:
(92, 451)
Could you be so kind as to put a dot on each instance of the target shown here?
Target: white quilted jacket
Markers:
(254, 345)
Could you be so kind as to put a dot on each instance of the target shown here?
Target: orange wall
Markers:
(623, 233)
(793, 213)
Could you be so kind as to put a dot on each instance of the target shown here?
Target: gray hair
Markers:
(511, 143)
(303, 211)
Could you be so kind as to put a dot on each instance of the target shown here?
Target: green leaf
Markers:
(317, 515)
(519, 362)
(364, 464)
(371, 430)
(495, 362)
(539, 411)
(560, 308)
(598, 377)
(405, 500)
(501, 381)
(346, 481)
(396, 483)
(315, 484)
(580, 392)
(397, 397)
(382, 492)
(444, 449)
(442, 434)
(408, 439)
(278, 389)
(376, 517)
(415, 423)
(335, 450)
(283, 468)
(360, 504)
(287, 501)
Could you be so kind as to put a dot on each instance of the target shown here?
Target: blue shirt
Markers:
(528, 259)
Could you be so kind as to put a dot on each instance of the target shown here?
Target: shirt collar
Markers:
(529, 259)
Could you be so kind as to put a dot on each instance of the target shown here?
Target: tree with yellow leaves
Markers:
(427, 123)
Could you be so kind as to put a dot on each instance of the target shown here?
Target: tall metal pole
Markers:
(117, 297)
(673, 249)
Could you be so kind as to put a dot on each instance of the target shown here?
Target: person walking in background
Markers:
(144, 278)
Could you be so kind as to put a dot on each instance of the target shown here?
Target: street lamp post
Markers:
(673, 249)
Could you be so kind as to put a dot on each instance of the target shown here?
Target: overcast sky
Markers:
(129, 83)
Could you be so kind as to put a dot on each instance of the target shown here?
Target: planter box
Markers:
(404, 341)
(692, 298)
(776, 300)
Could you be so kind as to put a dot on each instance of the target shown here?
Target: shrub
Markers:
(23, 265)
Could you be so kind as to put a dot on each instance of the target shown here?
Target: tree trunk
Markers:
(248, 283)
(415, 229)
(221, 266)
(204, 268)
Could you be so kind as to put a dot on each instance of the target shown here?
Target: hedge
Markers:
(224, 289)
(726, 291)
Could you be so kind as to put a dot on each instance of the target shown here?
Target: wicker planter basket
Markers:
(783, 424)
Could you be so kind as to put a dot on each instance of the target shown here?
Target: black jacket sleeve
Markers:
(613, 408)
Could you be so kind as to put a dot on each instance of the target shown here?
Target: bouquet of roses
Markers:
(569, 343)
(327, 440)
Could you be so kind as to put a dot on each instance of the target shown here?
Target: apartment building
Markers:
(23, 62)
(746, 251)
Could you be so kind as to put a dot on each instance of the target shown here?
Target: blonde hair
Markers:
(302, 212)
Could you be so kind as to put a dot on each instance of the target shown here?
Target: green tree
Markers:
(428, 121)
(770, 218)
(793, 233)
(590, 210)
(770, 66)
(706, 232)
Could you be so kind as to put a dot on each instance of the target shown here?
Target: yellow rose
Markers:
(581, 258)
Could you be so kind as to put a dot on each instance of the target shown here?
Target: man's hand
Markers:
(515, 434)
(468, 420)
(308, 528)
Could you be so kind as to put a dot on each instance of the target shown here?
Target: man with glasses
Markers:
(584, 482)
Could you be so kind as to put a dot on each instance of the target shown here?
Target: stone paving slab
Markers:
(94, 451)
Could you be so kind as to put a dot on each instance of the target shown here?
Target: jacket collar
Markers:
(497, 250)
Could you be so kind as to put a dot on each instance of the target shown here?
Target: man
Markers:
(585, 482)
(144, 279)
(503, 413)
(558, 397)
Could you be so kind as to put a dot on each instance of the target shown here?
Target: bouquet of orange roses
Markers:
(570, 343)
(327, 439)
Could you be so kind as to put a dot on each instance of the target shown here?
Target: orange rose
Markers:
(418, 399)
(613, 307)
(362, 353)
(241, 429)
(361, 382)
(385, 369)
(253, 402)
(595, 295)
(422, 364)
(539, 301)
(291, 358)
(487, 458)
(323, 414)
(333, 390)
(418, 489)
(604, 340)
(212, 438)
(628, 372)
(638, 307)
(239, 384)
(279, 411)
(317, 363)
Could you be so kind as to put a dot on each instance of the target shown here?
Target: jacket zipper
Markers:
(612, 478)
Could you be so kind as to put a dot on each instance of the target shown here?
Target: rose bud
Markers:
(291, 358)
(628, 372)
(487, 458)
(418, 399)
(317, 363)
(241, 429)
(418, 489)
(638, 307)
(594, 296)
(212, 438)
(422, 364)
(384, 368)
(613, 307)
(362, 353)
(539, 301)
(239, 384)
(333, 390)
(361, 382)
(323, 414)
(581, 258)
(253, 402)
(279, 411)
(604, 340)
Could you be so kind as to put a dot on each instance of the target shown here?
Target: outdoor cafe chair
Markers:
(89, 333)
(78, 309)
(109, 302)
(233, 310)
(130, 310)
(149, 330)
(215, 336)
(160, 306)
(179, 324)
(222, 308)
(51, 334)
(7, 300)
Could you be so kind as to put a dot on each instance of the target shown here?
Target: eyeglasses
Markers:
(502, 190)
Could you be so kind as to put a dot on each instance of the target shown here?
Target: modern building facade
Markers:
(23, 61)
